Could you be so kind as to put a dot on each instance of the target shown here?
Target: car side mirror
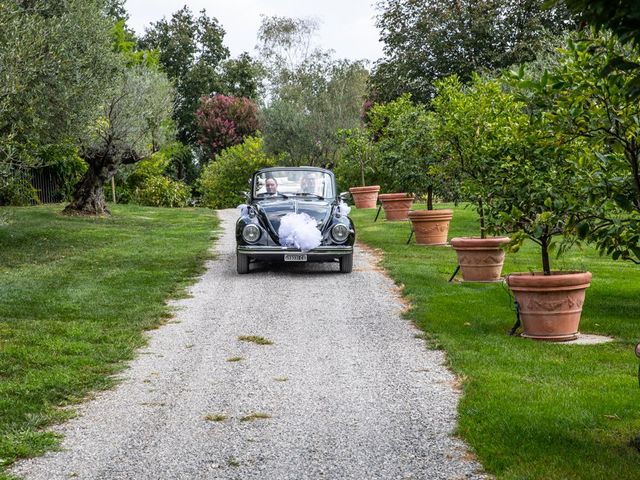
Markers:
(344, 196)
(246, 195)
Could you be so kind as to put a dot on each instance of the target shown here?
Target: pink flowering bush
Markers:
(224, 121)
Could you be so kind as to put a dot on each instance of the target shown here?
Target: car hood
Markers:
(271, 212)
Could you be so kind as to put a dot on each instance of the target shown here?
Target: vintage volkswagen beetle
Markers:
(278, 191)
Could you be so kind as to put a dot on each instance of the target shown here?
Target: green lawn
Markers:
(530, 410)
(76, 295)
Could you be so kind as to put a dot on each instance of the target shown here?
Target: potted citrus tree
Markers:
(358, 150)
(473, 124)
(410, 164)
(533, 192)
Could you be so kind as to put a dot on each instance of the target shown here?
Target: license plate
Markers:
(295, 257)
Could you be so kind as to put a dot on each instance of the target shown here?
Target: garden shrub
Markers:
(181, 165)
(226, 176)
(17, 190)
(161, 191)
(69, 171)
(224, 121)
(174, 163)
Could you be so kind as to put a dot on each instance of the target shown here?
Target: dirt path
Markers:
(348, 390)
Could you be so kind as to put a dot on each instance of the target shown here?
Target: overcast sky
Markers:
(347, 26)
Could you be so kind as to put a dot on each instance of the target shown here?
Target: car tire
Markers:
(242, 263)
(346, 263)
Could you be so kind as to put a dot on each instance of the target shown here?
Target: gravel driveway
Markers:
(347, 389)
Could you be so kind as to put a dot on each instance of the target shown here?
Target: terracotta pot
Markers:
(396, 205)
(480, 259)
(431, 226)
(365, 197)
(550, 305)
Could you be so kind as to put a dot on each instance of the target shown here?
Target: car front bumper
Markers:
(274, 253)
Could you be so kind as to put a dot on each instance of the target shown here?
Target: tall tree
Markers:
(116, 10)
(285, 44)
(191, 53)
(55, 60)
(425, 41)
(310, 95)
(622, 17)
(128, 130)
(242, 77)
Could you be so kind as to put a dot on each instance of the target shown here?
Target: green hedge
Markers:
(223, 180)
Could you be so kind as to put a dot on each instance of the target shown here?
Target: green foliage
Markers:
(242, 77)
(358, 163)
(409, 160)
(427, 41)
(587, 97)
(504, 148)
(130, 178)
(193, 55)
(309, 108)
(474, 125)
(532, 187)
(619, 17)
(160, 191)
(182, 164)
(57, 61)
(125, 43)
(17, 190)
(170, 168)
(68, 170)
(223, 180)
(312, 96)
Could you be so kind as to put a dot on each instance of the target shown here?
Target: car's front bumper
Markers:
(275, 253)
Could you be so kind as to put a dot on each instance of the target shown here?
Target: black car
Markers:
(301, 205)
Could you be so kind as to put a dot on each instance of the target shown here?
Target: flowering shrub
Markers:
(225, 121)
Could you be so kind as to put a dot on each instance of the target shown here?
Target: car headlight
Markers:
(251, 233)
(340, 232)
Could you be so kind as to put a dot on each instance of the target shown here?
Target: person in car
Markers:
(308, 184)
(271, 186)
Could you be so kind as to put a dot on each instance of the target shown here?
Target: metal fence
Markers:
(47, 184)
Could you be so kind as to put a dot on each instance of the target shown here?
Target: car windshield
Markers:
(285, 183)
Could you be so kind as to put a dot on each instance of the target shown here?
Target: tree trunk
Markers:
(429, 197)
(88, 197)
(546, 265)
(483, 233)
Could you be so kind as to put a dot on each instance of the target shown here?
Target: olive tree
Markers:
(56, 59)
(134, 114)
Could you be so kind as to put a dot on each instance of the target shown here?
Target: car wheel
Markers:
(346, 263)
(242, 263)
